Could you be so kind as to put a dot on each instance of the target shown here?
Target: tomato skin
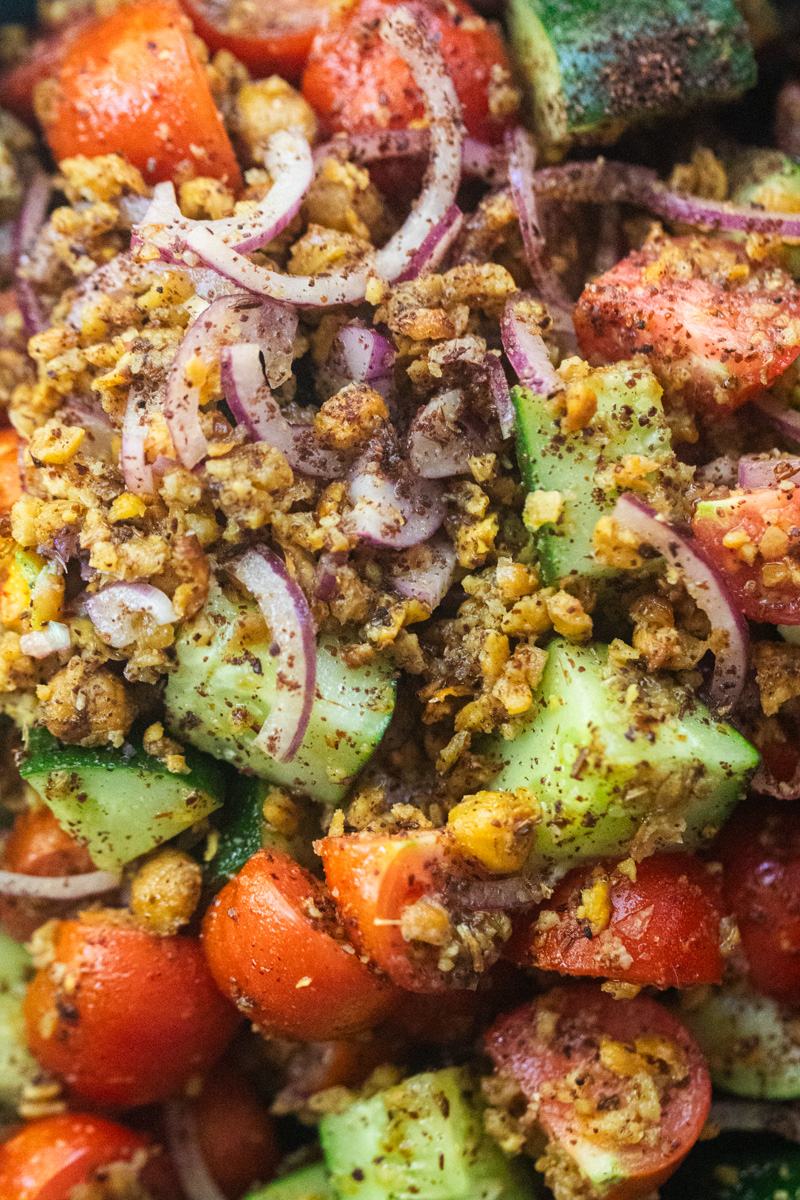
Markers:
(280, 963)
(236, 1133)
(715, 338)
(282, 48)
(38, 845)
(137, 1017)
(10, 481)
(760, 852)
(42, 62)
(49, 1157)
(752, 514)
(356, 83)
(559, 1032)
(131, 84)
(667, 923)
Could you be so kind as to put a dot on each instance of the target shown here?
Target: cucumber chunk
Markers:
(421, 1140)
(244, 830)
(592, 67)
(119, 803)
(309, 1183)
(749, 1043)
(17, 1066)
(579, 466)
(219, 697)
(614, 754)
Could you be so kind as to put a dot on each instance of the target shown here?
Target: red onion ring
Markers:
(137, 471)
(501, 394)
(526, 349)
(293, 633)
(706, 587)
(478, 159)
(112, 610)
(365, 353)
(491, 895)
(521, 163)
(53, 639)
(755, 472)
(392, 506)
(435, 246)
(31, 220)
(440, 439)
(186, 1153)
(784, 420)
(57, 887)
(251, 402)
(425, 572)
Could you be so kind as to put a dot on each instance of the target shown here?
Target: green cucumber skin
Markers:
(599, 772)
(629, 420)
(593, 66)
(17, 1066)
(119, 804)
(243, 831)
(421, 1140)
(748, 1049)
(309, 1183)
(218, 699)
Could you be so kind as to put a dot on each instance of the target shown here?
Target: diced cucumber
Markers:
(309, 1183)
(612, 753)
(119, 803)
(421, 1140)
(749, 1043)
(17, 1066)
(594, 66)
(219, 697)
(243, 829)
(629, 421)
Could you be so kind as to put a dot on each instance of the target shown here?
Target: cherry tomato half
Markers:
(274, 946)
(125, 1017)
(48, 1158)
(661, 928)
(131, 84)
(235, 1132)
(588, 1061)
(274, 38)
(10, 482)
(38, 845)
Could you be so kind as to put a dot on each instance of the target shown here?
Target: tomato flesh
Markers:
(49, 1157)
(125, 1017)
(753, 539)
(273, 944)
(267, 39)
(38, 845)
(661, 929)
(576, 1052)
(356, 83)
(235, 1132)
(10, 481)
(715, 327)
(132, 84)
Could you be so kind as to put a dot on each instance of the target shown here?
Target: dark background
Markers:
(13, 11)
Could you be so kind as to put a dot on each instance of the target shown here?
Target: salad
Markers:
(400, 601)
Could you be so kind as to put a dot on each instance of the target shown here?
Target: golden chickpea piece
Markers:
(165, 891)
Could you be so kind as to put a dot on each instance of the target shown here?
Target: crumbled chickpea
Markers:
(615, 546)
(55, 443)
(165, 891)
(497, 828)
(86, 704)
(204, 198)
(271, 104)
(350, 417)
(426, 921)
(542, 508)
(568, 617)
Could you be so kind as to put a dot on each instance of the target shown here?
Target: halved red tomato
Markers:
(715, 326)
(268, 38)
(619, 1086)
(50, 1157)
(754, 539)
(660, 928)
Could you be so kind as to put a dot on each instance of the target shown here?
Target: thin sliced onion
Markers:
(490, 895)
(53, 639)
(478, 159)
(226, 321)
(785, 420)
(441, 440)
(251, 401)
(526, 349)
(135, 467)
(425, 572)
(186, 1153)
(435, 245)
(365, 353)
(57, 887)
(114, 609)
(392, 505)
(757, 1116)
(756, 472)
(31, 220)
(521, 163)
(293, 633)
(501, 394)
(706, 587)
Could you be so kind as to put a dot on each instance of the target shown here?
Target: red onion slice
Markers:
(785, 420)
(755, 472)
(521, 163)
(501, 394)
(435, 246)
(137, 471)
(251, 401)
(112, 610)
(492, 895)
(757, 1116)
(186, 1154)
(706, 587)
(57, 887)
(293, 633)
(425, 572)
(478, 159)
(526, 349)
(440, 440)
(31, 220)
(226, 321)
(392, 506)
(53, 639)
(365, 354)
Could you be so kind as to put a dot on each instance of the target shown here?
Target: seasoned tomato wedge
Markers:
(658, 924)
(393, 892)
(267, 38)
(754, 540)
(715, 326)
(50, 1157)
(618, 1086)
(10, 482)
(760, 852)
(356, 83)
(132, 84)
(275, 947)
(236, 1133)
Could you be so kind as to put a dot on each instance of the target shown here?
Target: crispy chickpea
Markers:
(165, 891)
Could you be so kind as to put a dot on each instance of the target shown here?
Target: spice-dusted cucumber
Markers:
(246, 826)
(613, 754)
(594, 66)
(589, 467)
(17, 1066)
(309, 1183)
(423, 1139)
(220, 695)
(120, 803)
